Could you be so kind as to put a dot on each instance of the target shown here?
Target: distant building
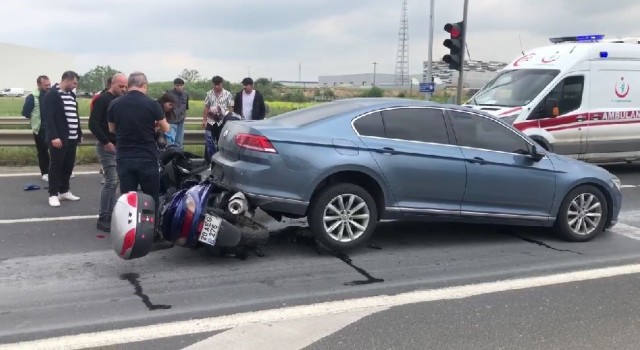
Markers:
(361, 80)
(296, 83)
(476, 73)
(21, 65)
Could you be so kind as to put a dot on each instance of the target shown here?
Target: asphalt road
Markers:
(61, 277)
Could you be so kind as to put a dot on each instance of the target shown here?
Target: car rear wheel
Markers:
(583, 214)
(343, 216)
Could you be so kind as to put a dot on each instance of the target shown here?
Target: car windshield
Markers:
(514, 88)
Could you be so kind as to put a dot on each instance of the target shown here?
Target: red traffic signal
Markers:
(455, 29)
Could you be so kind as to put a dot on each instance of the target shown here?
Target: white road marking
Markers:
(60, 218)
(179, 328)
(284, 335)
(626, 230)
(628, 186)
(90, 172)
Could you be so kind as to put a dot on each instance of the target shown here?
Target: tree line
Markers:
(94, 80)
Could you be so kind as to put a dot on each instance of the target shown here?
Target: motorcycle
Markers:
(194, 212)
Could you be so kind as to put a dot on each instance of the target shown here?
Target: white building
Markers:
(21, 65)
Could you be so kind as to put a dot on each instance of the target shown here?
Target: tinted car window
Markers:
(416, 124)
(479, 132)
(370, 125)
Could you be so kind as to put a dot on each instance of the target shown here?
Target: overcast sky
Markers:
(272, 37)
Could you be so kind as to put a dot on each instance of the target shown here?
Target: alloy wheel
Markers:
(584, 214)
(346, 217)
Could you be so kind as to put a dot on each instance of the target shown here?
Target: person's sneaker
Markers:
(45, 177)
(54, 201)
(72, 176)
(104, 226)
(68, 196)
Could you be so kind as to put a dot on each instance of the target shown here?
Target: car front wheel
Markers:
(583, 214)
(343, 216)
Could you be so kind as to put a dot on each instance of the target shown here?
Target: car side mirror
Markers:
(551, 107)
(534, 154)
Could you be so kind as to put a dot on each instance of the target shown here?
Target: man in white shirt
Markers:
(249, 102)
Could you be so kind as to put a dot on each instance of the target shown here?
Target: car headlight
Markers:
(616, 182)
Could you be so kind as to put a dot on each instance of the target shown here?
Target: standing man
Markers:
(107, 85)
(217, 104)
(180, 108)
(63, 134)
(134, 118)
(32, 110)
(106, 148)
(249, 102)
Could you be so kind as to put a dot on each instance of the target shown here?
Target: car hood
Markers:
(571, 164)
(498, 111)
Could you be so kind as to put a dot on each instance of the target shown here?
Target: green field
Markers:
(12, 107)
(22, 156)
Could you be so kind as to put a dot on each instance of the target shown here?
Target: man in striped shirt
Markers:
(63, 133)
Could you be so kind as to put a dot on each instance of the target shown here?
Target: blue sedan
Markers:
(348, 164)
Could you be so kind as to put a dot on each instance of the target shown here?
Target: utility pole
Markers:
(464, 43)
(374, 73)
(427, 95)
(249, 71)
(300, 72)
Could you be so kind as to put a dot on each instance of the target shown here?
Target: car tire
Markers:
(360, 222)
(578, 219)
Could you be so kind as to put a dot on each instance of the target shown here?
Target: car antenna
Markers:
(521, 49)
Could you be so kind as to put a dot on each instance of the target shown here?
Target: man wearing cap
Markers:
(249, 102)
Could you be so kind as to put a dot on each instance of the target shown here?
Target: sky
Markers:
(275, 38)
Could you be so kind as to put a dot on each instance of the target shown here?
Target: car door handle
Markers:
(386, 150)
(580, 119)
(477, 160)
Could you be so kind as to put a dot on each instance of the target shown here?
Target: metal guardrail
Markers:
(17, 121)
(24, 137)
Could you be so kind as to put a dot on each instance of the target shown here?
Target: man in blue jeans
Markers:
(106, 148)
(134, 118)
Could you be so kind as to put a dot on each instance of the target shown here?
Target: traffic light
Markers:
(454, 44)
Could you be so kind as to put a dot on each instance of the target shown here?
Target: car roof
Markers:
(371, 103)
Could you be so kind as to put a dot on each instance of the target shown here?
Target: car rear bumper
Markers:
(260, 185)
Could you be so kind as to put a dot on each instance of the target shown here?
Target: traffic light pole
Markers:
(462, 50)
(427, 95)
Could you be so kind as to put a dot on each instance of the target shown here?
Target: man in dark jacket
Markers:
(249, 102)
(32, 110)
(63, 134)
(180, 108)
(106, 148)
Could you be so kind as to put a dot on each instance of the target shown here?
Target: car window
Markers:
(479, 132)
(370, 125)
(416, 124)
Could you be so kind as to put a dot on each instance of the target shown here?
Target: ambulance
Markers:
(578, 97)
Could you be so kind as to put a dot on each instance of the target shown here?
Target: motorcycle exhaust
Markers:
(238, 204)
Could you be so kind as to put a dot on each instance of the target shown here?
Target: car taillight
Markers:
(255, 142)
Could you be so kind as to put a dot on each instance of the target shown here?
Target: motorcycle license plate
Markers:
(210, 229)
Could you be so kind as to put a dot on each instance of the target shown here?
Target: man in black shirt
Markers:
(106, 148)
(134, 118)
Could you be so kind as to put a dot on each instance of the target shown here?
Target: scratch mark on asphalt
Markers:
(134, 279)
(542, 244)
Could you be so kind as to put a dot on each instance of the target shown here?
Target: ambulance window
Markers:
(568, 93)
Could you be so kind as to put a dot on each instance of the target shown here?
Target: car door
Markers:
(424, 170)
(502, 181)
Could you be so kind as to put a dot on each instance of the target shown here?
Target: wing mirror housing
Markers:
(551, 107)
(534, 154)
